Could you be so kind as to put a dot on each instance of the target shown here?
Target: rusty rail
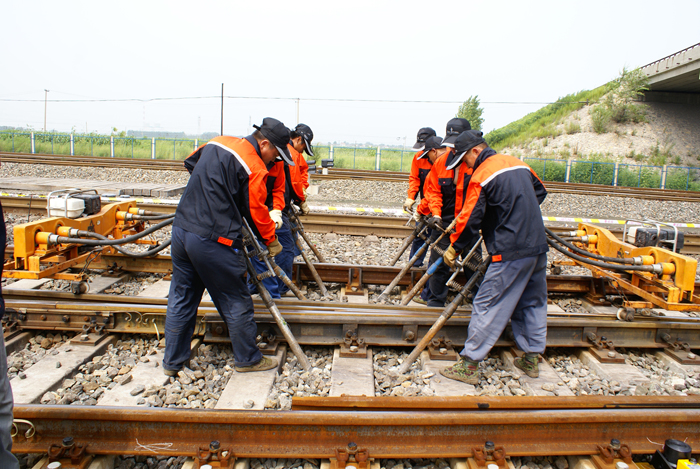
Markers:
(340, 173)
(314, 323)
(381, 434)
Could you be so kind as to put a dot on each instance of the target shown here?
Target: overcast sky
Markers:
(437, 52)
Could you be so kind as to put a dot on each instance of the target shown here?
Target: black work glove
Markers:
(435, 222)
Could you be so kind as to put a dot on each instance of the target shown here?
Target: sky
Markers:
(359, 71)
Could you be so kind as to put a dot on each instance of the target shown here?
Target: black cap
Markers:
(431, 143)
(423, 134)
(463, 143)
(455, 127)
(304, 131)
(276, 132)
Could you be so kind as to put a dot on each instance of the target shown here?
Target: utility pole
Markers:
(222, 109)
(46, 96)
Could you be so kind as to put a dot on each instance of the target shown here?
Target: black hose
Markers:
(113, 242)
(587, 253)
(147, 253)
(643, 268)
(162, 216)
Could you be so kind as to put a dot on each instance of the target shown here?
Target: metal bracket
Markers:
(603, 349)
(679, 351)
(214, 456)
(351, 456)
(70, 454)
(354, 285)
(488, 454)
(440, 348)
(352, 345)
(608, 454)
(268, 342)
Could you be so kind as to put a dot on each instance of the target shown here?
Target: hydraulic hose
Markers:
(110, 242)
(163, 216)
(586, 253)
(644, 268)
(147, 253)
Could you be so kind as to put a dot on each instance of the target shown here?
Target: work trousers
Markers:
(200, 263)
(438, 282)
(416, 245)
(7, 459)
(285, 259)
(515, 291)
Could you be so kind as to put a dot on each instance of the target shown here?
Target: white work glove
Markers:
(407, 204)
(276, 216)
(304, 190)
(417, 217)
(304, 207)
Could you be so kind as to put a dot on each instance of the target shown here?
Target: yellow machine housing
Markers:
(672, 290)
(34, 259)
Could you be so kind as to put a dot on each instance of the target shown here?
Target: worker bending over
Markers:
(420, 167)
(300, 142)
(227, 184)
(503, 200)
(444, 196)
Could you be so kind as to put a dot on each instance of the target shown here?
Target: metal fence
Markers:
(97, 145)
(616, 174)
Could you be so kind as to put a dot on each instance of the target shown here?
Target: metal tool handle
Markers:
(385, 294)
(272, 268)
(311, 267)
(281, 323)
(446, 314)
(407, 242)
(300, 229)
(460, 263)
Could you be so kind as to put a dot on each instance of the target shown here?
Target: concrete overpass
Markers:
(675, 78)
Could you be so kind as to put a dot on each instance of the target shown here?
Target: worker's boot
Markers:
(529, 363)
(464, 370)
(263, 365)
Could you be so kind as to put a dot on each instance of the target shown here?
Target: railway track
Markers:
(350, 430)
(341, 431)
(343, 224)
(345, 431)
(339, 173)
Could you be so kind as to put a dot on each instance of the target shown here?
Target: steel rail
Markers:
(490, 402)
(379, 434)
(314, 323)
(340, 173)
(342, 224)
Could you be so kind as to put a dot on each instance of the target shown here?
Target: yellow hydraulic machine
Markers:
(658, 276)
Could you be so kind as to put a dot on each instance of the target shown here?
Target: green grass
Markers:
(541, 123)
(95, 145)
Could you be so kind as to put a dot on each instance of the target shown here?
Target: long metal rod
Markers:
(281, 323)
(446, 314)
(383, 434)
(311, 245)
(421, 283)
(406, 243)
(385, 294)
(312, 269)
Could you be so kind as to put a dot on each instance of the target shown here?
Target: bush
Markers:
(572, 128)
(593, 172)
(548, 170)
(600, 116)
(524, 130)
